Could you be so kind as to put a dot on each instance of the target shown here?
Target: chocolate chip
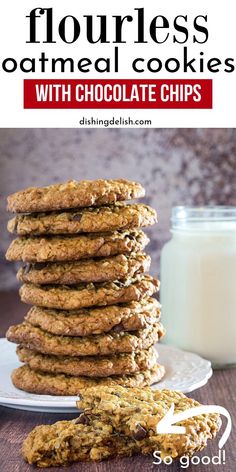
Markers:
(77, 217)
(118, 328)
(27, 268)
(131, 237)
(39, 265)
(119, 284)
(48, 454)
(140, 432)
(15, 225)
(83, 419)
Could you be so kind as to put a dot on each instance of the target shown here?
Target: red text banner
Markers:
(117, 94)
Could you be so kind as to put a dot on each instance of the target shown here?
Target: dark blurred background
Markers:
(177, 167)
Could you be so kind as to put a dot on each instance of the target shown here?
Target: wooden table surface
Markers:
(15, 424)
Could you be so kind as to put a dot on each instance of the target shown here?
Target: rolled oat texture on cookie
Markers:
(86, 295)
(90, 220)
(74, 194)
(99, 344)
(83, 439)
(96, 320)
(38, 382)
(90, 270)
(135, 413)
(124, 427)
(89, 366)
(76, 247)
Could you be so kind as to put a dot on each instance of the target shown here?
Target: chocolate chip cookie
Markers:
(29, 380)
(71, 297)
(137, 412)
(68, 441)
(90, 270)
(90, 366)
(90, 220)
(75, 248)
(83, 439)
(84, 322)
(74, 194)
(98, 344)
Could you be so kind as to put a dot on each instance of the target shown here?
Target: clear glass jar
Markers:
(198, 283)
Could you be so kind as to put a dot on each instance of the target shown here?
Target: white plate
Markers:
(185, 371)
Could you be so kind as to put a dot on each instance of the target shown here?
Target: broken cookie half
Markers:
(119, 421)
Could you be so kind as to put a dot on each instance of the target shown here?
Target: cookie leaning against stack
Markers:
(94, 320)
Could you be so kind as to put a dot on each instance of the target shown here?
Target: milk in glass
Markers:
(198, 283)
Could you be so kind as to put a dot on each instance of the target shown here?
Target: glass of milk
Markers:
(198, 283)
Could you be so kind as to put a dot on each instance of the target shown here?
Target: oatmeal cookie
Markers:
(104, 366)
(74, 194)
(90, 270)
(98, 344)
(86, 295)
(84, 322)
(31, 381)
(90, 220)
(75, 248)
(48, 445)
(136, 413)
(84, 439)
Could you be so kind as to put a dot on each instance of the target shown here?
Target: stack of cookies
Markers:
(94, 320)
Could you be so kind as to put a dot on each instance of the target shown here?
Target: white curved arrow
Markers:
(165, 425)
